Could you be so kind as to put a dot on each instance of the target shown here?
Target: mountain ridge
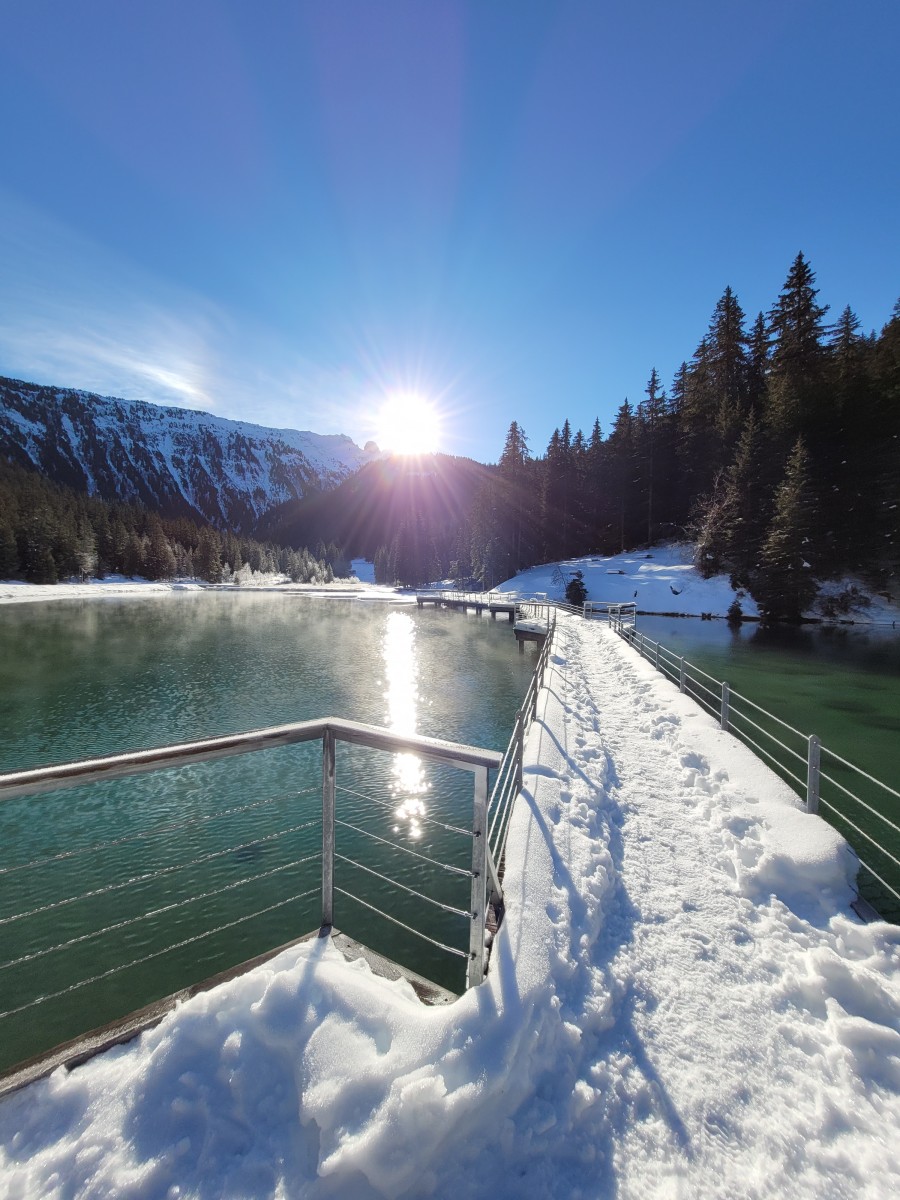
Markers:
(178, 461)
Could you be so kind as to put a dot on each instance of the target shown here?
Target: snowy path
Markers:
(679, 1005)
(754, 1045)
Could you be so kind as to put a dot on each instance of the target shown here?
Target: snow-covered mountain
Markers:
(172, 459)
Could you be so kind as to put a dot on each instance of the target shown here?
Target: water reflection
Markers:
(409, 784)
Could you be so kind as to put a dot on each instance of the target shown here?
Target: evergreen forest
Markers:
(776, 449)
(49, 532)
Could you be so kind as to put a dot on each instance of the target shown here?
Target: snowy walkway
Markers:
(679, 1005)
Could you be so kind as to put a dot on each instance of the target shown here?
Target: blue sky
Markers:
(281, 212)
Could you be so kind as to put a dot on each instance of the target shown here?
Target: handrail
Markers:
(726, 705)
(481, 874)
(119, 766)
(508, 783)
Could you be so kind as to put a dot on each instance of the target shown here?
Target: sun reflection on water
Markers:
(402, 674)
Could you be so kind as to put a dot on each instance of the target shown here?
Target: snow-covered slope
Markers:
(680, 1003)
(665, 580)
(172, 459)
(661, 580)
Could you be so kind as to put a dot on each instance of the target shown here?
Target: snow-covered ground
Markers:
(665, 580)
(661, 580)
(13, 592)
(680, 1004)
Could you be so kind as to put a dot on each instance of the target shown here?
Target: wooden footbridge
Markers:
(530, 618)
(503, 603)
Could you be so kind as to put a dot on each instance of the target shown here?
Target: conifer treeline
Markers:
(49, 532)
(777, 448)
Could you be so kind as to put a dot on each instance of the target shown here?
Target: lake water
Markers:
(166, 856)
(220, 846)
(841, 683)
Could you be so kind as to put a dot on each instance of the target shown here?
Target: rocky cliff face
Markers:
(171, 459)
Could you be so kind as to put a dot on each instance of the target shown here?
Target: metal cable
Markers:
(745, 737)
(460, 912)
(503, 814)
(868, 807)
(860, 771)
(861, 832)
(391, 808)
(138, 879)
(134, 837)
(700, 671)
(396, 846)
(408, 928)
(499, 796)
(733, 712)
(694, 695)
(155, 954)
(766, 713)
(154, 912)
(884, 883)
(709, 691)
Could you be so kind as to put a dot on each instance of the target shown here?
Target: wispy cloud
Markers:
(72, 314)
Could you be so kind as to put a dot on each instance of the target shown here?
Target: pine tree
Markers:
(715, 398)
(515, 503)
(729, 367)
(208, 557)
(654, 451)
(625, 523)
(787, 582)
(758, 353)
(796, 392)
(734, 520)
(9, 553)
(159, 560)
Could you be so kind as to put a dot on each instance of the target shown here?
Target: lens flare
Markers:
(408, 423)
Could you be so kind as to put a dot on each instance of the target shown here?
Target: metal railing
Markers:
(508, 783)
(453, 596)
(797, 757)
(116, 904)
(617, 615)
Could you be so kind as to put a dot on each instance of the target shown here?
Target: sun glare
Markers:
(408, 423)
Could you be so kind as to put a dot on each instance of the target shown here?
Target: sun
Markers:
(408, 423)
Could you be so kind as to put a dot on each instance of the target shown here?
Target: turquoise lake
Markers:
(159, 859)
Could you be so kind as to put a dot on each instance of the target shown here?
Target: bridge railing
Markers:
(508, 783)
(158, 884)
(851, 799)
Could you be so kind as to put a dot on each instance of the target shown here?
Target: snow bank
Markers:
(680, 1003)
(661, 580)
(664, 580)
(13, 592)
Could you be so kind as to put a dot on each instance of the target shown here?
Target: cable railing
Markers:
(508, 783)
(617, 614)
(852, 800)
(181, 882)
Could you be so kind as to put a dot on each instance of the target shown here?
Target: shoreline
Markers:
(117, 587)
(18, 592)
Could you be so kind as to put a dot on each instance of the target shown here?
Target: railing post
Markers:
(479, 878)
(726, 702)
(328, 827)
(656, 657)
(681, 674)
(520, 748)
(812, 774)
